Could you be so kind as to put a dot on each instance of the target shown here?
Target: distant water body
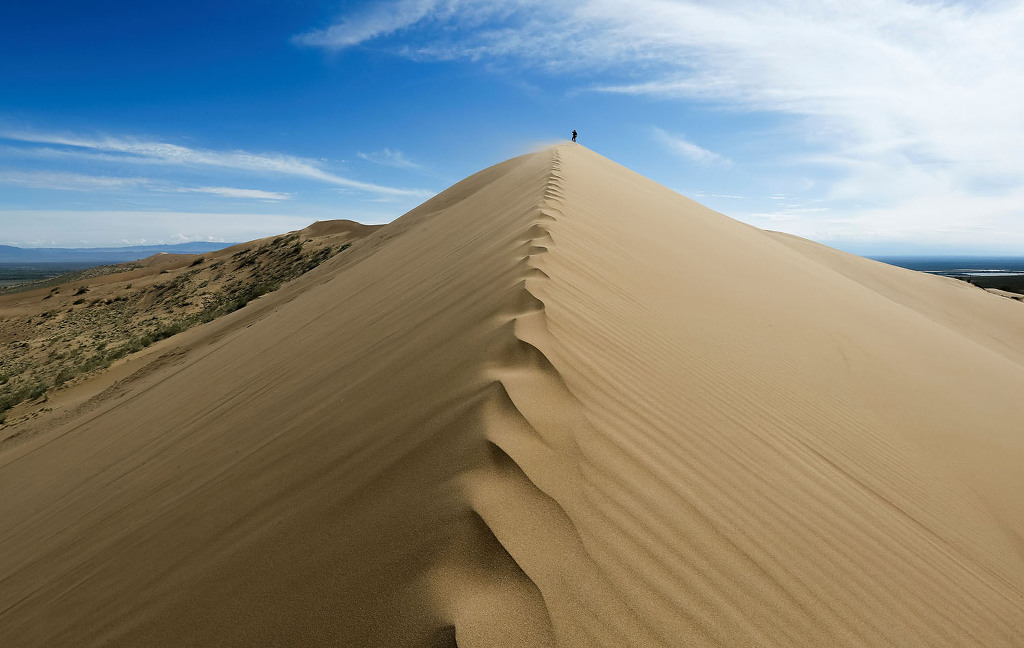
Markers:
(962, 266)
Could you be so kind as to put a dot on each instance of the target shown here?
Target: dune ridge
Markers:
(557, 404)
(530, 420)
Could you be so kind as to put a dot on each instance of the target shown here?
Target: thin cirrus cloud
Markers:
(389, 157)
(890, 101)
(381, 19)
(233, 192)
(684, 148)
(155, 152)
(63, 181)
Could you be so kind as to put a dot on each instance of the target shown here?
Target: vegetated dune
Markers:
(558, 404)
(56, 335)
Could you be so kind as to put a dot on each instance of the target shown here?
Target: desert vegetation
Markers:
(88, 320)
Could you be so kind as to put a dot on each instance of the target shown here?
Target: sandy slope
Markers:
(557, 404)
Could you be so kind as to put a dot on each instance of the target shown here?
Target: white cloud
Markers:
(391, 158)
(67, 181)
(684, 148)
(952, 220)
(62, 181)
(149, 152)
(380, 20)
(232, 192)
(907, 102)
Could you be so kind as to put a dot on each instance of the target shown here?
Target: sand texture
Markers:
(558, 404)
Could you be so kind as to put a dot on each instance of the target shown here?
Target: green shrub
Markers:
(98, 361)
(118, 353)
(36, 390)
(65, 374)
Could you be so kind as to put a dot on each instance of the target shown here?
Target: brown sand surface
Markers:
(558, 404)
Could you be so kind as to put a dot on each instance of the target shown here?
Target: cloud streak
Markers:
(129, 150)
(62, 181)
(684, 148)
(391, 158)
(233, 192)
(59, 181)
(381, 19)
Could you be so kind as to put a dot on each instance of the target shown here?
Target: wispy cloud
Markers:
(232, 192)
(381, 19)
(684, 148)
(901, 98)
(63, 181)
(389, 157)
(147, 151)
(60, 181)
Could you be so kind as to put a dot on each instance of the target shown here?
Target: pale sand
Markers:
(557, 404)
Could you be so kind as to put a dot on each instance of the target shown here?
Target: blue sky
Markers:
(877, 126)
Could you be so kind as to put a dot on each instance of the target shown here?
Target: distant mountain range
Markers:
(101, 256)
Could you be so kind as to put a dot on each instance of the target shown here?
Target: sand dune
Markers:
(57, 335)
(558, 404)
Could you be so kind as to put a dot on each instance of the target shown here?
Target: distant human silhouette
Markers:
(574, 134)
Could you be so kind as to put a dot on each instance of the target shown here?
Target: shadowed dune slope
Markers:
(558, 404)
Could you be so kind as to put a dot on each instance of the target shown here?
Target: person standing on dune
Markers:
(574, 134)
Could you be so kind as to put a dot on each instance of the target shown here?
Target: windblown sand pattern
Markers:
(556, 405)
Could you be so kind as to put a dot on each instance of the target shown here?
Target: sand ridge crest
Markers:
(531, 453)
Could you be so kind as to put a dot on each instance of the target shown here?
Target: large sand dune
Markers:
(558, 404)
